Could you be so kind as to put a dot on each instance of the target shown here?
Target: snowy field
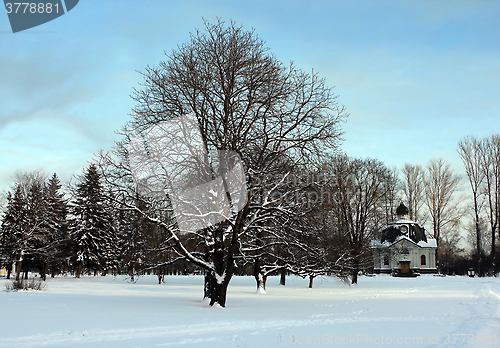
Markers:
(428, 311)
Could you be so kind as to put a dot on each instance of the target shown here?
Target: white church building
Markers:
(404, 249)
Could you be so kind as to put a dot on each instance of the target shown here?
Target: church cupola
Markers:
(402, 212)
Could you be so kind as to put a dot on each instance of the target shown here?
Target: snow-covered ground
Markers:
(427, 311)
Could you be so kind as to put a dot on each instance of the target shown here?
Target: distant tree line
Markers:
(88, 228)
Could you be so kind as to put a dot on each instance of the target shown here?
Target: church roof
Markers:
(430, 243)
(412, 230)
(402, 238)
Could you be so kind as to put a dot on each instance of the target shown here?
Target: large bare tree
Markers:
(469, 149)
(246, 101)
(489, 155)
(444, 208)
(481, 158)
(303, 241)
(362, 186)
(413, 187)
(391, 199)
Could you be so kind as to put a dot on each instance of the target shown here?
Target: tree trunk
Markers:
(131, 271)
(283, 276)
(493, 251)
(478, 240)
(78, 270)
(354, 277)
(9, 269)
(26, 264)
(208, 287)
(311, 279)
(18, 273)
(496, 265)
(355, 270)
(215, 290)
(217, 279)
(160, 273)
(261, 283)
(259, 277)
(436, 237)
(44, 272)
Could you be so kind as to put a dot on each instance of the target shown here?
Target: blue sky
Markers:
(415, 76)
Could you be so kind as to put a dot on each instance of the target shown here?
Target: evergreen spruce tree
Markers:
(91, 226)
(56, 226)
(24, 237)
(37, 236)
(33, 224)
(12, 230)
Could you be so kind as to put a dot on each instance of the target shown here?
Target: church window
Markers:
(386, 260)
